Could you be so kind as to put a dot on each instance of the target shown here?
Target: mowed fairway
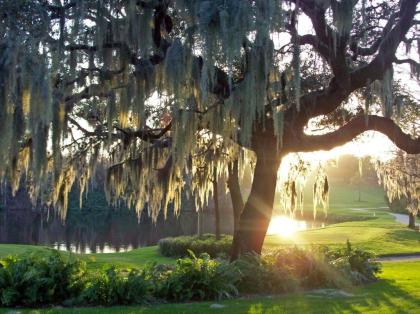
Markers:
(369, 226)
(381, 235)
(132, 259)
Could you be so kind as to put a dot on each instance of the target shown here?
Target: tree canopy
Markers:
(154, 88)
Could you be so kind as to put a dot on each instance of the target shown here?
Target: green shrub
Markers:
(287, 269)
(112, 287)
(309, 267)
(39, 278)
(356, 264)
(259, 275)
(197, 278)
(207, 243)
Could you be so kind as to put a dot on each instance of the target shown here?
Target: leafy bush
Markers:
(290, 268)
(309, 267)
(197, 278)
(207, 243)
(112, 287)
(39, 278)
(356, 264)
(259, 275)
(286, 270)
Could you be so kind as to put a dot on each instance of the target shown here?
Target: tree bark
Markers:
(216, 208)
(235, 194)
(256, 215)
(411, 220)
(200, 222)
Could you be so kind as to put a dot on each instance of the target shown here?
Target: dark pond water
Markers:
(94, 228)
(91, 233)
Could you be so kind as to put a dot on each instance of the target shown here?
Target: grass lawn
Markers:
(134, 258)
(372, 229)
(398, 291)
(381, 235)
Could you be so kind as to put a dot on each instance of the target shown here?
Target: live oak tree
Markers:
(144, 86)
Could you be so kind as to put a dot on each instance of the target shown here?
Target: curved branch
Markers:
(386, 55)
(319, 46)
(82, 129)
(368, 51)
(409, 61)
(355, 127)
(325, 101)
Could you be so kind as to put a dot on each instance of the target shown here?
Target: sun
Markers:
(285, 226)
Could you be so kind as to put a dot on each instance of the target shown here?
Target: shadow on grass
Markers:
(404, 235)
(384, 296)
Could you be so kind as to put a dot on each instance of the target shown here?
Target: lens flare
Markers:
(285, 226)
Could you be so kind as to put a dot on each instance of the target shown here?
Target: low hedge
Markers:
(207, 243)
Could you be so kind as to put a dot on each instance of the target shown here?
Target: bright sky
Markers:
(369, 144)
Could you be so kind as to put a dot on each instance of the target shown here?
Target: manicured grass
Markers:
(345, 196)
(381, 236)
(398, 291)
(12, 249)
(342, 198)
(372, 229)
(134, 258)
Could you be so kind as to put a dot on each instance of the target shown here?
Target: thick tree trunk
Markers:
(200, 222)
(216, 209)
(256, 215)
(411, 220)
(235, 194)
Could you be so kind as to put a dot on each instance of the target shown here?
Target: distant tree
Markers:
(400, 175)
(139, 85)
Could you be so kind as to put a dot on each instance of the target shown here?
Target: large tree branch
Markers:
(355, 127)
(330, 44)
(319, 46)
(368, 51)
(325, 101)
(386, 54)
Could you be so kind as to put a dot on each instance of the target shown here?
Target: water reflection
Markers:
(286, 226)
(104, 248)
(110, 232)
(95, 228)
